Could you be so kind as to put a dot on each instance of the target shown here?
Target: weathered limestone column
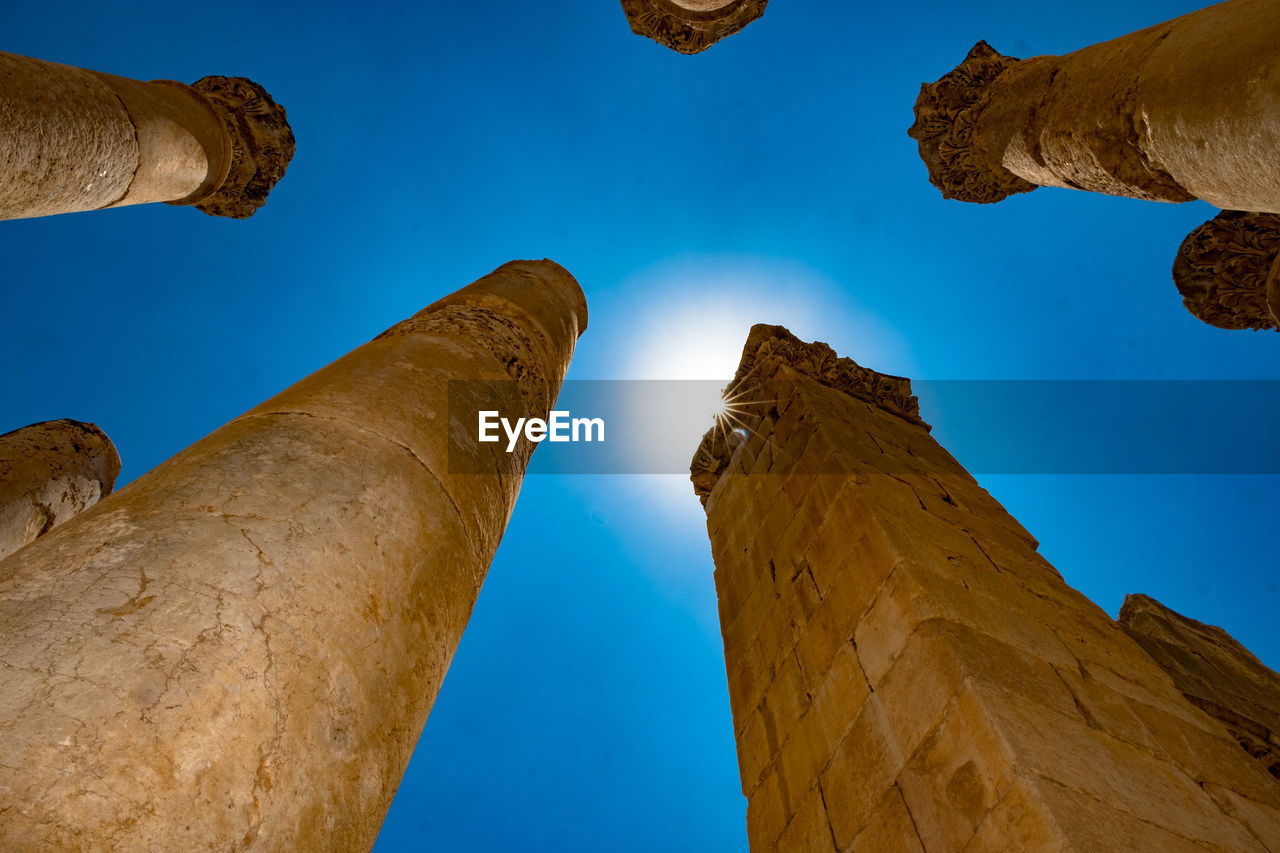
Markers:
(238, 650)
(1228, 271)
(49, 473)
(906, 673)
(72, 139)
(1182, 110)
(1215, 672)
(690, 26)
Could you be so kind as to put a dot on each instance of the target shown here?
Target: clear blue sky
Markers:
(768, 180)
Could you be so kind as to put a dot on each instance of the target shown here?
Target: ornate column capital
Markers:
(1228, 271)
(690, 26)
(771, 347)
(262, 144)
(946, 112)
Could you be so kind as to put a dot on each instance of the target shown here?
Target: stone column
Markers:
(238, 650)
(690, 26)
(906, 673)
(49, 473)
(1178, 111)
(1215, 672)
(72, 139)
(1228, 271)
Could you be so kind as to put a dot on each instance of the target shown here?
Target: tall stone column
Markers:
(49, 473)
(238, 650)
(906, 673)
(690, 26)
(72, 139)
(1181, 110)
(1228, 271)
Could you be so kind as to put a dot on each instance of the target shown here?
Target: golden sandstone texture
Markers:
(73, 140)
(238, 650)
(1145, 115)
(690, 26)
(1179, 111)
(907, 673)
(49, 473)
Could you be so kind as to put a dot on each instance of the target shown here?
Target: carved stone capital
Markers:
(262, 144)
(690, 26)
(771, 347)
(946, 113)
(1228, 271)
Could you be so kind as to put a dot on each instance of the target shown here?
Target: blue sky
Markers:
(767, 180)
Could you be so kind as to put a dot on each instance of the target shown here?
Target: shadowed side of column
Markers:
(239, 650)
(49, 473)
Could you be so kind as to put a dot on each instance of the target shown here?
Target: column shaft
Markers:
(907, 673)
(1181, 110)
(239, 650)
(49, 473)
(74, 140)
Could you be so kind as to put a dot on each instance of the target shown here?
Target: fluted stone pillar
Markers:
(238, 650)
(907, 673)
(73, 139)
(690, 26)
(1228, 271)
(49, 473)
(1178, 111)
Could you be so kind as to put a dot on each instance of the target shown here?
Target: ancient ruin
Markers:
(1216, 674)
(1179, 111)
(690, 26)
(73, 139)
(1228, 271)
(906, 672)
(239, 649)
(49, 473)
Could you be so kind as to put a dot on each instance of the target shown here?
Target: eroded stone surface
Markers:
(74, 140)
(239, 650)
(49, 473)
(1228, 271)
(690, 26)
(1177, 111)
(1215, 672)
(906, 672)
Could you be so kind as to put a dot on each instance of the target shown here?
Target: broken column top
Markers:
(771, 348)
(690, 26)
(49, 473)
(1205, 661)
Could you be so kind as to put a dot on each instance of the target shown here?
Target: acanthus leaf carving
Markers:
(1228, 271)
(687, 30)
(262, 144)
(946, 113)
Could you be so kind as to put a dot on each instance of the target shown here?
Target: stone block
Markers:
(864, 765)
(836, 702)
(941, 657)
(890, 828)
(961, 770)
(808, 831)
